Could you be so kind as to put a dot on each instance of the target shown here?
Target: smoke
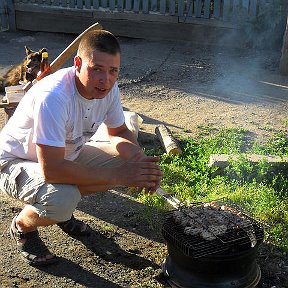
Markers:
(267, 29)
(249, 71)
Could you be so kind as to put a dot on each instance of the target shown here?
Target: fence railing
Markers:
(227, 10)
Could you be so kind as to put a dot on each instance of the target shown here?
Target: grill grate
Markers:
(196, 246)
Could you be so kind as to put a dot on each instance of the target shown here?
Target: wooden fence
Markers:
(219, 9)
(7, 15)
(184, 10)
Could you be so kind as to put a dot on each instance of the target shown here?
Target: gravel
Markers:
(186, 87)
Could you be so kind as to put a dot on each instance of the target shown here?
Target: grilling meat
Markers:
(210, 220)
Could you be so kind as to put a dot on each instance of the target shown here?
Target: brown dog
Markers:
(23, 72)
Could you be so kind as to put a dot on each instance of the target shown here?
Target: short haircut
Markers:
(100, 40)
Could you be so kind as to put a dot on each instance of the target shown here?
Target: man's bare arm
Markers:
(56, 169)
(125, 142)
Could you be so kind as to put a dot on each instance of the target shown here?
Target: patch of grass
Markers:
(108, 230)
(277, 146)
(259, 188)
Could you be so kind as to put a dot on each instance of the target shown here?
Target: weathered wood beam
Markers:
(167, 140)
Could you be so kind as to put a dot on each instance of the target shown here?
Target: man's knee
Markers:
(57, 201)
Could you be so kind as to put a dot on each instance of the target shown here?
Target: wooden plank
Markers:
(134, 17)
(245, 5)
(171, 7)
(52, 19)
(262, 6)
(80, 4)
(210, 25)
(180, 7)
(207, 9)
(104, 3)
(4, 20)
(136, 6)
(162, 7)
(120, 5)
(145, 6)
(153, 5)
(236, 6)
(189, 10)
(11, 15)
(95, 4)
(112, 5)
(72, 3)
(64, 3)
(45, 11)
(197, 8)
(253, 8)
(226, 9)
(88, 4)
(128, 5)
(217, 10)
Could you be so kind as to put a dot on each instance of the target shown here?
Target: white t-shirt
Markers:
(53, 113)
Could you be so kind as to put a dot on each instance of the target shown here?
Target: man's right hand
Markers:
(141, 171)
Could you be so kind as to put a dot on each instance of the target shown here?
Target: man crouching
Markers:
(47, 159)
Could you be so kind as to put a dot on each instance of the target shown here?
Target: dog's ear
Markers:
(42, 50)
(28, 50)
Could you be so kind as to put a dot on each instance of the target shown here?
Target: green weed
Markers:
(261, 188)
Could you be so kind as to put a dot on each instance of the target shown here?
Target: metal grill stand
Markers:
(216, 271)
(229, 260)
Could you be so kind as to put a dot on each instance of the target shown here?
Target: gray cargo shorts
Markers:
(22, 179)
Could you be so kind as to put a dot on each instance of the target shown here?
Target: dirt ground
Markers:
(186, 87)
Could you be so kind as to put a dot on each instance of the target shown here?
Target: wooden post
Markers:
(167, 140)
(284, 57)
(11, 15)
(3, 17)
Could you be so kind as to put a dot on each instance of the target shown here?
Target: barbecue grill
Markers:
(211, 257)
